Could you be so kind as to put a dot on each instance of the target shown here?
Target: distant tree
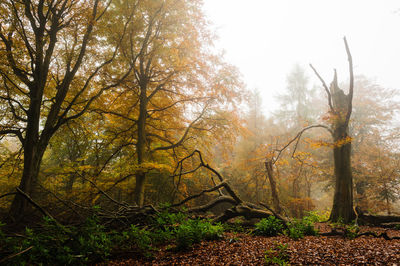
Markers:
(296, 102)
(250, 149)
(298, 110)
(375, 159)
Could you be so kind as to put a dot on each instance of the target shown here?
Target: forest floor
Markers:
(246, 249)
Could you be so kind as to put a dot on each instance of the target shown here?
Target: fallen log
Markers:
(376, 219)
(343, 233)
(242, 210)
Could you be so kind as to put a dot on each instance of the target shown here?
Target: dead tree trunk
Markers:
(340, 106)
(343, 195)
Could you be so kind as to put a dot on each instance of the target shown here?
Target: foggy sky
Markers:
(265, 38)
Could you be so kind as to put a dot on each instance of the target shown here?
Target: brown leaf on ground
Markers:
(249, 250)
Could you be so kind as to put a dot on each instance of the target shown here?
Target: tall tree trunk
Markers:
(38, 30)
(340, 108)
(141, 146)
(343, 198)
(19, 205)
(33, 154)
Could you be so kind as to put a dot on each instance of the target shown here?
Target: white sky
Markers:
(265, 38)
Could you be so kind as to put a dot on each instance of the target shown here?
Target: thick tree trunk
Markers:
(33, 154)
(141, 146)
(340, 108)
(38, 29)
(32, 161)
(343, 198)
(20, 205)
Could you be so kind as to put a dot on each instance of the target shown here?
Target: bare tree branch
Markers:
(101, 191)
(325, 87)
(205, 165)
(13, 132)
(183, 138)
(223, 184)
(297, 137)
(351, 86)
(213, 203)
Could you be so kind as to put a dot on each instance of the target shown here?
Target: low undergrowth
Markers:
(91, 242)
(299, 228)
(350, 230)
(55, 244)
(296, 229)
(269, 227)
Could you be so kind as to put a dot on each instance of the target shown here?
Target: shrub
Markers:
(56, 244)
(53, 244)
(185, 231)
(164, 225)
(193, 231)
(165, 220)
(269, 227)
(350, 230)
(294, 232)
(140, 239)
(299, 228)
(94, 242)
